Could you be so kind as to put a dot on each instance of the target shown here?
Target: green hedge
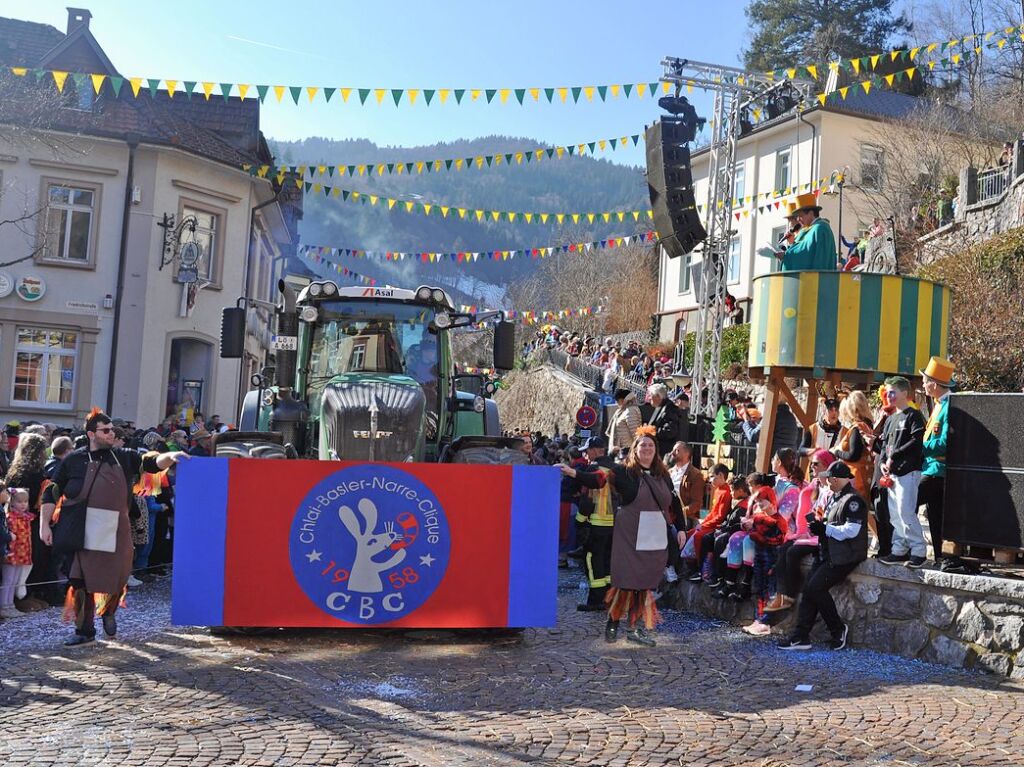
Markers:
(735, 347)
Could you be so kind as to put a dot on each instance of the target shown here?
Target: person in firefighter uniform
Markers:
(598, 514)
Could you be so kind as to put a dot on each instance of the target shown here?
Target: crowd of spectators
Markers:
(31, 453)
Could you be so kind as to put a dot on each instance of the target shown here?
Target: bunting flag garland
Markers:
(434, 208)
(309, 94)
(479, 162)
(550, 315)
(472, 257)
(317, 260)
(869, 62)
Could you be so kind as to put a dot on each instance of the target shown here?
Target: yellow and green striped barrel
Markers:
(880, 323)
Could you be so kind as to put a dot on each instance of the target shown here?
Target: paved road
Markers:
(707, 695)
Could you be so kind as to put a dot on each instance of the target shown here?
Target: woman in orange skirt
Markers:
(854, 445)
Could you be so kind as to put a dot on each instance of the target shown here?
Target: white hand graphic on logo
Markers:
(365, 575)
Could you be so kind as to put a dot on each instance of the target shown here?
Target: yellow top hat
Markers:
(790, 210)
(806, 201)
(941, 371)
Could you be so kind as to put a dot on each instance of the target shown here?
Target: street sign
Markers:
(285, 343)
(607, 400)
(586, 417)
(584, 433)
(187, 275)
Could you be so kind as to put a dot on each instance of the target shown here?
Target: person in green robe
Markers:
(815, 245)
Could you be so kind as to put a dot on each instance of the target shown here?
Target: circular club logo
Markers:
(369, 544)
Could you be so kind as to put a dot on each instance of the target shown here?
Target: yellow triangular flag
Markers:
(503, 94)
(791, 73)
(588, 91)
(479, 215)
(535, 93)
(640, 89)
(606, 216)
(601, 143)
(443, 93)
(620, 215)
(242, 90)
(311, 91)
(913, 53)
(419, 167)
(60, 77)
(379, 93)
(19, 71)
(866, 85)
(560, 150)
(444, 211)
(413, 93)
(511, 217)
(544, 217)
(666, 87)
(474, 93)
(874, 60)
(278, 91)
(97, 82)
(409, 206)
(373, 199)
(563, 93)
(590, 218)
(345, 93)
(480, 162)
(843, 91)
(391, 203)
(462, 212)
(519, 158)
(821, 98)
(458, 164)
(889, 79)
(813, 71)
(495, 215)
(528, 217)
(615, 91)
(136, 83)
(172, 85)
(559, 217)
(855, 63)
(361, 170)
(427, 208)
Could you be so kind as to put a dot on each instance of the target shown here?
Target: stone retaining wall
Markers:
(955, 620)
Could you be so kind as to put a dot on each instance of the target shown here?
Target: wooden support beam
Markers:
(772, 396)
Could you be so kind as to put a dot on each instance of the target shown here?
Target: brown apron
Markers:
(641, 568)
(106, 572)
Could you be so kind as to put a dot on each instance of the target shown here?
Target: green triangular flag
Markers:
(153, 84)
(396, 94)
(344, 194)
(529, 156)
(490, 94)
(571, 149)
(296, 91)
(40, 73)
(576, 93)
(448, 164)
(262, 91)
(613, 142)
(430, 167)
(79, 78)
(189, 87)
(330, 171)
(602, 91)
(115, 84)
(636, 138)
(408, 167)
(627, 89)
(328, 92)
(653, 87)
(351, 170)
(391, 168)
(363, 93)
(550, 153)
(508, 159)
(549, 93)
(307, 186)
(326, 190)
(428, 94)
(899, 76)
(591, 145)
(520, 93)
(489, 158)
(225, 90)
(459, 93)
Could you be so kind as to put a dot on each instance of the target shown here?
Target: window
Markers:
(684, 272)
(206, 236)
(777, 233)
(782, 169)
(735, 247)
(44, 367)
(872, 167)
(69, 223)
(739, 184)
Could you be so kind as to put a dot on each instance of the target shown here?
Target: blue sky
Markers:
(405, 44)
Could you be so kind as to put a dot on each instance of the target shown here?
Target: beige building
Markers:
(783, 155)
(117, 196)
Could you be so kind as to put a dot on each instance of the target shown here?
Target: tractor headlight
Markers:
(316, 289)
(330, 289)
(442, 320)
(437, 295)
(308, 314)
(478, 404)
(423, 293)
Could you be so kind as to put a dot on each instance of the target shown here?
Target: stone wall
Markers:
(978, 221)
(539, 398)
(955, 620)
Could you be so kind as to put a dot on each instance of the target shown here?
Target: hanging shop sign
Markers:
(30, 288)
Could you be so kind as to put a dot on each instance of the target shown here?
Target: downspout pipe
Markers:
(241, 388)
(814, 142)
(122, 264)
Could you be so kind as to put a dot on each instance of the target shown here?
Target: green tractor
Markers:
(366, 374)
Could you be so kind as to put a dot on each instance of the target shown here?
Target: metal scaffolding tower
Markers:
(736, 91)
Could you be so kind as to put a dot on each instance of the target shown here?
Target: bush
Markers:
(735, 347)
(986, 333)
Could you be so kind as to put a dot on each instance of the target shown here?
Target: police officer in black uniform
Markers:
(842, 545)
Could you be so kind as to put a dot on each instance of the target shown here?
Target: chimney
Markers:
(78, 17)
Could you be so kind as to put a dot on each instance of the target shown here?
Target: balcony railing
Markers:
(992, 183)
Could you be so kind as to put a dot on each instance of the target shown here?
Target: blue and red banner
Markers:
(347, 545)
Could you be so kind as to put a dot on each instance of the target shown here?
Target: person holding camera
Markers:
(843, 544)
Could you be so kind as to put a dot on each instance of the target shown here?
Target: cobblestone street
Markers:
(706, 695)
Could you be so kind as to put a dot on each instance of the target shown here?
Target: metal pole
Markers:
(839, 234)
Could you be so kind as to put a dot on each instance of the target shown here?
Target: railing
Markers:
(992, 183)
(592, 375)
